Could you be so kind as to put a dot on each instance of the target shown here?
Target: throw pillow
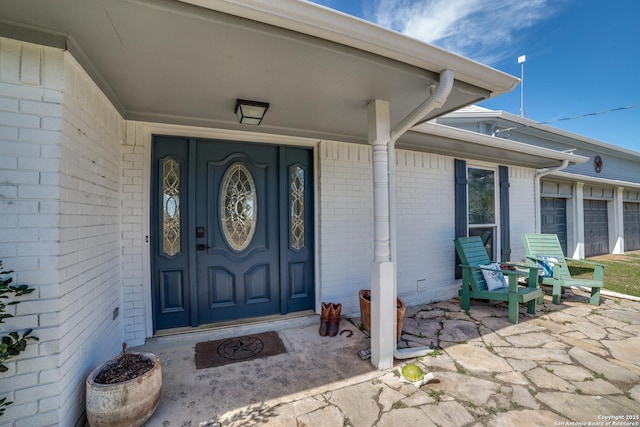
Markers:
(493, 276)
(545, 265)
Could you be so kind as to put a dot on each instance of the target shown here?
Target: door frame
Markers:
(144, 133)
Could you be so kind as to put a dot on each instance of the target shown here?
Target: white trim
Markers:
(616, 222)
(146, 231)
(151, 129)
(497, 242)
(316, 225)
(225, 134)
(578, 217)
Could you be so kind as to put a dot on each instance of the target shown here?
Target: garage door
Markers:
(554, 219)
(596, 228)
(631, 226)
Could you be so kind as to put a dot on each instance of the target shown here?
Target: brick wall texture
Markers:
(60, 145)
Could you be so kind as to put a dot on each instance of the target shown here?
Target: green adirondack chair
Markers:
(540, 247)
(472, 254)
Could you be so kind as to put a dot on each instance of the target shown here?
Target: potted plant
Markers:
(124, 391)
(365, 312)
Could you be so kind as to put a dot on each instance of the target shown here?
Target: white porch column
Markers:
(578, 213)
(616, 224)
(537, 201)
(383, 291)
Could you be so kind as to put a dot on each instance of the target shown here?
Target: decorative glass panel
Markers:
(482, 199)
(238, 206)
(297, 206)
(170, 207)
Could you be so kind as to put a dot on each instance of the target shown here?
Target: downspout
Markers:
(436, 99)
(537, 191)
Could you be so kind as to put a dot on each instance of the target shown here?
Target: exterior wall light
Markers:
(250, 112)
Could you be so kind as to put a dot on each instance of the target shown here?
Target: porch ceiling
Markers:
(186, 62)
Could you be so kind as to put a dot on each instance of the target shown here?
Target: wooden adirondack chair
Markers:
(472, 253)
(539, 247)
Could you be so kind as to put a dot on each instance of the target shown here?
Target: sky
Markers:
(582, 68)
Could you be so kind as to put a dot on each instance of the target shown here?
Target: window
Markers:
(238, 207)
(296, 200)
(171, 207)
(481, 206)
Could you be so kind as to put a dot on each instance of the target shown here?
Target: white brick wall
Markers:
(30, 92)
(90, 243)
(133, 152)
(346, 222)
(425, 210)
(60, 226)
(521, 208)
(425, 228)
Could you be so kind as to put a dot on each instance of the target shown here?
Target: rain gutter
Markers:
(438, 97)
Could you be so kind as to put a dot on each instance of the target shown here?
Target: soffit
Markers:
(171, 62)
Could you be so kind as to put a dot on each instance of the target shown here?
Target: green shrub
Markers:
(12, 343)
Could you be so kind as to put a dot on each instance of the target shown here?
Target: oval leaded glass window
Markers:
(238, 206)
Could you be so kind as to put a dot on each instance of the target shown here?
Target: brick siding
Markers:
(425, 210)
(60, 226)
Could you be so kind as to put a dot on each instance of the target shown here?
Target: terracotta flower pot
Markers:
(365, 312)
(129, 403)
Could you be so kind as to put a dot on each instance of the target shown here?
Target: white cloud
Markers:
(484, 30)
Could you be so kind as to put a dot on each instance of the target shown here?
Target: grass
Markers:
(621, 272)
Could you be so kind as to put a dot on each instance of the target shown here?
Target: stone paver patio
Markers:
(570, 364)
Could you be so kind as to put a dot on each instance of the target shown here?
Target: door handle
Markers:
(202, 247)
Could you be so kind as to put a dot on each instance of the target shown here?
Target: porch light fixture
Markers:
(250, 112)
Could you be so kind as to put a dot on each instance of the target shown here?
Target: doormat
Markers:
(210, 354)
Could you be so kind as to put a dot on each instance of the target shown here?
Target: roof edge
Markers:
(528, 123)
(322, 22)
(501, 143)
(593, 180)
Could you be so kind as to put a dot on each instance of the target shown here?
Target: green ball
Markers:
(412, 373)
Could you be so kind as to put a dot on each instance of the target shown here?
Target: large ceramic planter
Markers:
(127, 404)
(365, 312)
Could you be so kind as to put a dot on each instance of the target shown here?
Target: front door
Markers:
(233, 229)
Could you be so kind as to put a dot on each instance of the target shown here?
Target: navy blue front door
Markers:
(233, 231)
(237, 256)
